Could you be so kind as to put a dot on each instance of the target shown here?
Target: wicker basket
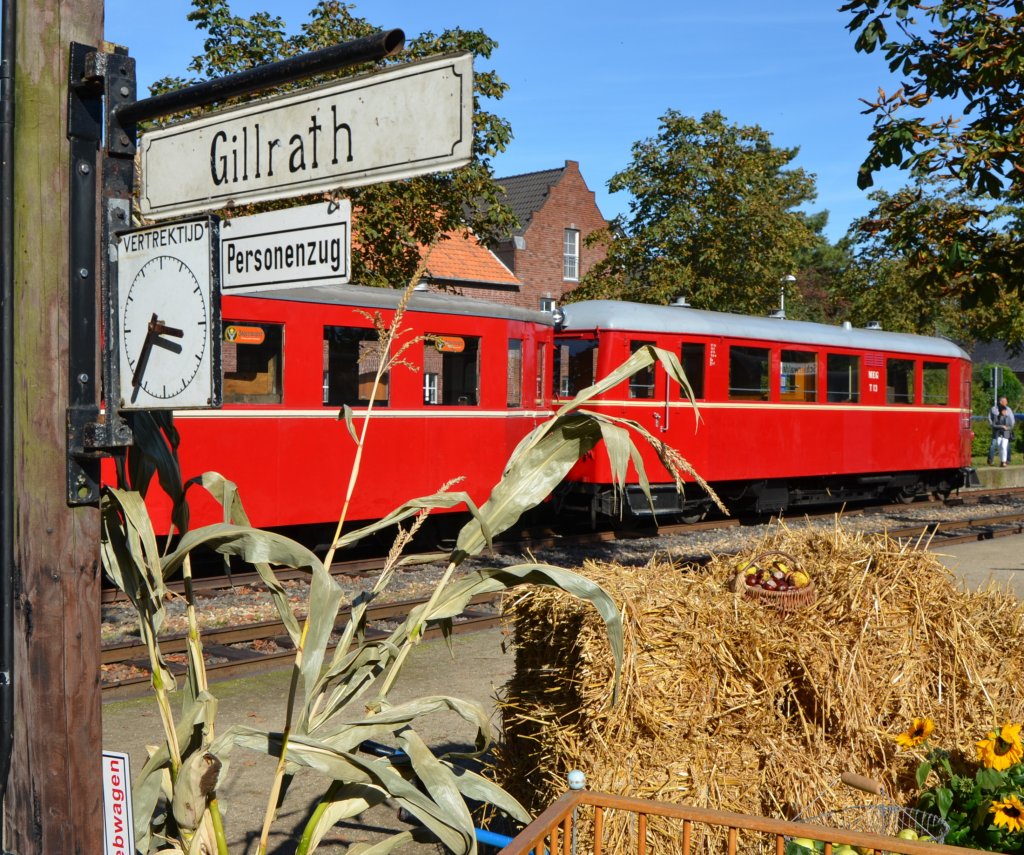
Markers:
(784, 601)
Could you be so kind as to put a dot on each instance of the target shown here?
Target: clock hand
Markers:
(147, 347)
(155, 329)
(160, 328)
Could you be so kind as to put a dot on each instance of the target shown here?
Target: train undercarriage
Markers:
(764, 496)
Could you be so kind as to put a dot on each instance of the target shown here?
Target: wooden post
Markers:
(53, 802)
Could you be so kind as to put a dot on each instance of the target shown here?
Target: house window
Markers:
(571, 255)
(430, 387)
(548, 304)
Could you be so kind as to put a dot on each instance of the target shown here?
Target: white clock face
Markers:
(165, 332)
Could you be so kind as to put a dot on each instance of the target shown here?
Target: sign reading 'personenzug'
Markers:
(308, 245)
(404, 121)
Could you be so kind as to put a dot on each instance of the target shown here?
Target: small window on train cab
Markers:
(748, 373)
(252, 360)
(935, 383)
(842, 378)
(798, 376)
(692, 357)
(641, 384)
(575, 366)
(899, 381)
(351, 360)
(453, 363)
(514, 369)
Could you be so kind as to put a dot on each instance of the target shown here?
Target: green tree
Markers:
(964, 58)
(712, 216)
(395, 220)
(904, 276)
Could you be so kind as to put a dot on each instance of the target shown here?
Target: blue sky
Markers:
(587, 80)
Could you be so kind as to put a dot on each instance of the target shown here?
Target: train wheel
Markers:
(906, 496)
(693, 517)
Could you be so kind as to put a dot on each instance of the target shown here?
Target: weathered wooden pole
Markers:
(53, 797)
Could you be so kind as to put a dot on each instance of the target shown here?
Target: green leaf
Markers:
(943, 800)
(923, 771)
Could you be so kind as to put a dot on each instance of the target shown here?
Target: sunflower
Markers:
(917, 733)
(1009, 813)
(1001, 748)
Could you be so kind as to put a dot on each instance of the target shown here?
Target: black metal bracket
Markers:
(96, 80)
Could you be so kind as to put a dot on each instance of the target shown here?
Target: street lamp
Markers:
(780, 312)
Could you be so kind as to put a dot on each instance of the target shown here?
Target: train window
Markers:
(641, 384)
(842, 378)
(935, 385)
(899, 381)
(575, 365)
(514, 367)
(351, 360)
(252, 362)
(453, 363)
(748, 373)
(692, 356)
(798, 376)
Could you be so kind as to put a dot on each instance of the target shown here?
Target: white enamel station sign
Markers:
(405, 121)
(293, 246)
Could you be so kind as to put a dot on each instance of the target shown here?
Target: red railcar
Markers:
(790, 413)
(293, 357)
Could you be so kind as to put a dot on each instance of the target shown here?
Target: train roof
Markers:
(640, 317)
(367, 297)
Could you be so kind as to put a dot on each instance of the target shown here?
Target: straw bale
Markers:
(728, 703)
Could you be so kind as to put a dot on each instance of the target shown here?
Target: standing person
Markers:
(1002, 428)
(998, 430)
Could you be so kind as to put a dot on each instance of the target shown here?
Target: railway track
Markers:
(257, 647)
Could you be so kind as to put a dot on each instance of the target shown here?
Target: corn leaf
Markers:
(443, 500)
(350, 767)
(348, 736)
(344, 802)
(478, 788)
(226, 493)
(439, 781)
(534, 471)
(456, 597)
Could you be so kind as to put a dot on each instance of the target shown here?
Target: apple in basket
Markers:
(907, 834)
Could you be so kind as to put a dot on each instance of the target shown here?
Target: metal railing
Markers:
(553, 830)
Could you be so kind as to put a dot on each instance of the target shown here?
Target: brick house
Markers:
(460, 264)
(547, 254)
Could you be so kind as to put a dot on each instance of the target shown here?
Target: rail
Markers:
(553, 830)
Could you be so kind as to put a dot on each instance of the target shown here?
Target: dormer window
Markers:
(571, 255)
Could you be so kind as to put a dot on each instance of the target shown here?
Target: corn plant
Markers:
(345, 691)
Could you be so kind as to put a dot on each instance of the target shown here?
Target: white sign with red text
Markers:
(118, 831)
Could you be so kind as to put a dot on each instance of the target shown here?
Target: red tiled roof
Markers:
(461, 258)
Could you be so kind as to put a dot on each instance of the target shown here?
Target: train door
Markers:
(966, 434)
